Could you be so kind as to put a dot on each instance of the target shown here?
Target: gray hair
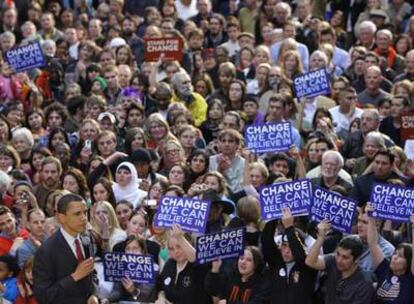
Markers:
(368, 25)
(49, 42)
(176, 77)
(376, 137)
(321, 54)
(25, 134)
(374, 112)
(5, 182)
(8, 35)
(385, 32)
(286, 7)
(336, 155)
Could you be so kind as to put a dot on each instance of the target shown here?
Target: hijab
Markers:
(130, 192)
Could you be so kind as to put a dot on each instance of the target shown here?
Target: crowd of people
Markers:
(91, 141)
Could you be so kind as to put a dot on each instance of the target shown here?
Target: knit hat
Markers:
(101, 81)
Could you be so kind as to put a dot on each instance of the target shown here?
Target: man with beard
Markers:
(161, 100)
(183, 92)
(50, 172)
(332, 163)
(129, 29)
(216, 34)
(275, 74)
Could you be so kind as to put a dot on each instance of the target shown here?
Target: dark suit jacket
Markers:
(53, 265)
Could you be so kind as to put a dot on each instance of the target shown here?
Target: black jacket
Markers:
(297, 285)
(52, 281)
(230, 287)
(188, 288)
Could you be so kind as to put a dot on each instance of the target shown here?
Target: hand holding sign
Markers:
(323, 228)
(128, 285)
(176, 231)
(287, 218)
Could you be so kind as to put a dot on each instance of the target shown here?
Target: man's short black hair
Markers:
(386, 153)
(64, 202)
(353, 243)
(278, 156)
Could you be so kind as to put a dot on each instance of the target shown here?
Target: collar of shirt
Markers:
(71, 241)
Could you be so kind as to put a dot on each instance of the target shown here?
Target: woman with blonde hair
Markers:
(291, 64)
(105, 223)
(261, 55)
(172, 153)
(248, 215)
(157, 131)
(403, 88)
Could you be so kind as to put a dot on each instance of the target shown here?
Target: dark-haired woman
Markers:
(395, 277)
(246, 284)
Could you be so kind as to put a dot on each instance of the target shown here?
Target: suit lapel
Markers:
(67, 251)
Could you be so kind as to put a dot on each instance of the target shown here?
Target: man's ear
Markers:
(61, 218)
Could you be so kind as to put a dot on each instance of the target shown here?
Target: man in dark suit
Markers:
(63, 267)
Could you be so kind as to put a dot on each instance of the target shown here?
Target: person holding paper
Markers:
(276, 113)
(127, 290)
(292, 280)
(346, 282)
(181, 281)
(395, 276)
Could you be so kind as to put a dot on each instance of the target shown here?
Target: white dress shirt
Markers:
(71, 242)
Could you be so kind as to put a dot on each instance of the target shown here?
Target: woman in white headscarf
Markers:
(127, 185)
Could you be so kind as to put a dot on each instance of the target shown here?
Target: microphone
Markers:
(88, 241)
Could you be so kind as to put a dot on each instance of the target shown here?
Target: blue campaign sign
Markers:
(338, 209)
(296, 195)
(223, 245)
(26, 57)
(191, 214)
(312, 84)
(392, 202)
(138, 268)
(270, 137)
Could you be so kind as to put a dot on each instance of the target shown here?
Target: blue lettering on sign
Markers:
(339, 210)
(191, 214)
(312, 84)
(296, 195)
(221, 245)
(138, 268)
(270, 137)
(392, 202)
(26, 57)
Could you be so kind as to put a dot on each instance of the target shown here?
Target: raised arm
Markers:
(313, 259)
(187, 248)
(372, 238)
(295, 245)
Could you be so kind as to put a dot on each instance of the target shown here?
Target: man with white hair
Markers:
(332, 163)
(283, 12)
(385, 49)
(366, 34)
(183, 92)
(373, 93)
